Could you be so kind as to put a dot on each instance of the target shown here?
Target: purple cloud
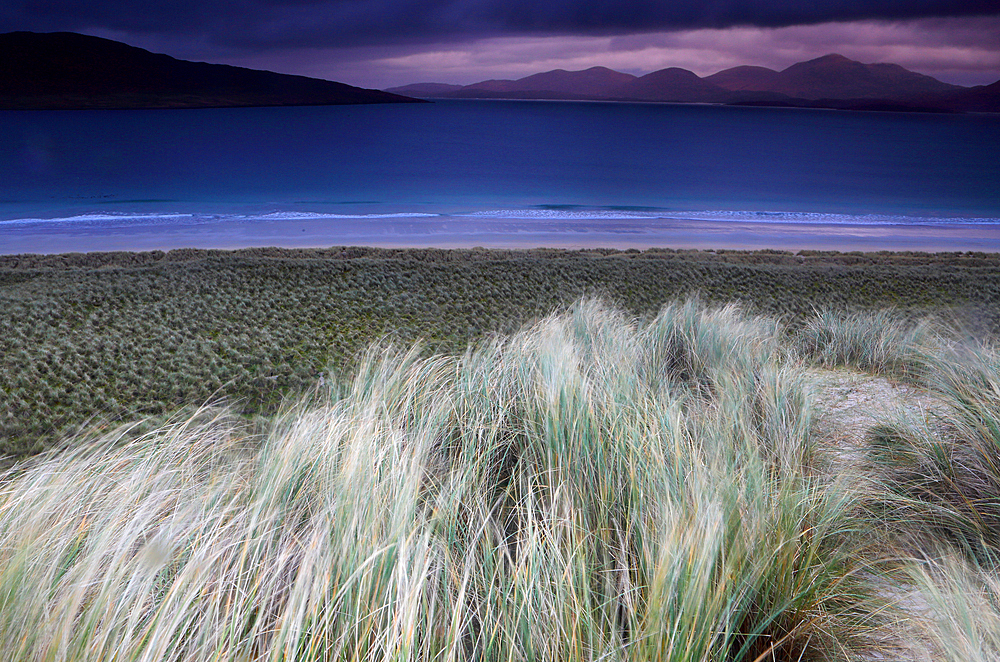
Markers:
(958, 51)
(379, 43)
(257, 24)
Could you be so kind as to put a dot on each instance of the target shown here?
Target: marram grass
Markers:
(963, 601)
(590, 488)
(119, 336)
(877, 342)
(942, 470)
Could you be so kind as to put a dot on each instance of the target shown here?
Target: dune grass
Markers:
(964, 608)
(943, 469)
(118, 336)
(592, 487)
(877, 342)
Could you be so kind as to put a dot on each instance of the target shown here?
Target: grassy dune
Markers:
(120, 336)
(593, 486)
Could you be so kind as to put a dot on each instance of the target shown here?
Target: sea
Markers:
(499, 174)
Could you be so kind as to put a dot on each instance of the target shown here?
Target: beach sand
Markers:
(456, 233)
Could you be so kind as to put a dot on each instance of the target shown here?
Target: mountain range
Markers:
(830, 81)
(65, 70)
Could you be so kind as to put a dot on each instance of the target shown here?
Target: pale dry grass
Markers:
(590, 488)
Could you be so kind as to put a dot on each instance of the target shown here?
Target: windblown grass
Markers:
(878, 342)
(590, 488)
(964, 605)
(943, 469)
(120, 336)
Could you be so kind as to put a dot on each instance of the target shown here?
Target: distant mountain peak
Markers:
(674, 71)
(829, 57)
(834, 76)
(673, 84)
(744, 77)
(828, 81)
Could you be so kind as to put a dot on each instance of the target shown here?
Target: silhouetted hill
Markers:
(832, 81)
(593, 82)
(837, 77)
(65, 70)
(424, 90)
(745, 77)
(596, 82)
(833, 77)
(981, 99)
(673, 84)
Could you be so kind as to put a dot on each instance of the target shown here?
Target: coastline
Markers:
(457, 233)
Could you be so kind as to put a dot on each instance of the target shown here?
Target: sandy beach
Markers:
(503, 233)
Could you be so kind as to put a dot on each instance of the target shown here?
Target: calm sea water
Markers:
(493, 173)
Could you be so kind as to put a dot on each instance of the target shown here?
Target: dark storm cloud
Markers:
(338, 23)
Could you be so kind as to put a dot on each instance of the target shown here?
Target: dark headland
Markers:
(65, 70)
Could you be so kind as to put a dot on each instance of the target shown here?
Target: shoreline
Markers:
(678, 234)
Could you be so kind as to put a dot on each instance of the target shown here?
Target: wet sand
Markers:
(501, 233)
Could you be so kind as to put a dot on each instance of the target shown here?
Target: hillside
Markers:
(832, 81)
(744, 77)
(593, 82)
(837, 77)
(981, 98)
(673, 84)
(833, 77)
(64, 70)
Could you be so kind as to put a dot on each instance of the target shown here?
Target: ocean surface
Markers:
(498, 173)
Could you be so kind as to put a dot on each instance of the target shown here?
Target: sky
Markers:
(383, 43)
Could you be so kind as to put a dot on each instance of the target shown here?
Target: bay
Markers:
(498, 173)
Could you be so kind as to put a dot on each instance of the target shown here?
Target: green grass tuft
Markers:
(597, 485)
(589, 488)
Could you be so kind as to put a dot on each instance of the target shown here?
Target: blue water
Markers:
(480, 169)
